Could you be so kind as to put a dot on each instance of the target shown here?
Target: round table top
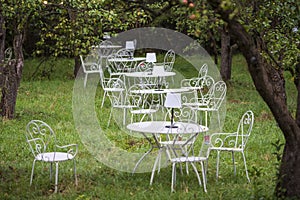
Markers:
(149, 74)
(134, 59)
(158, 127)
(108, 46)
(113, 89)
(159, 91)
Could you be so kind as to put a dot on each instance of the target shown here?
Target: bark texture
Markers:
(226, 55)
(11, 77)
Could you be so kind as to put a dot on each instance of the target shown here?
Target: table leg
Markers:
(151, 148)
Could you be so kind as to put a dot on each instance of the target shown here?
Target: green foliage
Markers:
(71, 28)
(198, 21)
(275, 22)
(16, 15)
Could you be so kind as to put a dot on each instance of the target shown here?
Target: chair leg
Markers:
(218, 161)
(76, 181)
(219, 121)
(197, 174)
(103, 99)
(56, 177)
(173, 177)
(111, 110)
(51, 172)
(187, 164)
(124, 116)
(85, 79)
(233, 163)
(244, 158)
(154, 166)
(32, 171)
(204, 176)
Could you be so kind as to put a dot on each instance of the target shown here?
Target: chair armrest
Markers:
(92, 66)
(70, 148)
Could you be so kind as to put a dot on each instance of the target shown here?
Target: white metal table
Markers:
(159, 91)
(127, 59)
(150, 129)
(149, 74)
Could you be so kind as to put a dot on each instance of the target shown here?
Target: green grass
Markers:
(46, 92)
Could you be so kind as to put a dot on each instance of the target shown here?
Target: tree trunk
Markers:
(12, 74)
(270, 84)
(226, 54)
(77, 65)
(9, 90)
(2, 49)
(2, 39)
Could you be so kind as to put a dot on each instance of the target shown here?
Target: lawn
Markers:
(46, 93)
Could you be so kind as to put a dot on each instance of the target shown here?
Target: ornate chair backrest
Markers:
(117, 92)
(203, 70)
(169, 60)
(184, 114)
(238, 139)
(105, 51)
(148, 100)
(124, 53)
(122, 65)
(144, 67)
(244, 129)
(219, 94)
(40, 137)
(111, 64)
(206, 89)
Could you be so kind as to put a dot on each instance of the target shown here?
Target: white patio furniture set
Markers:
(170, 119)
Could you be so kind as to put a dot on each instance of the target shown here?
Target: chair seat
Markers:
(124, 106)
(226, 149)
(188, 159)
(143, 111)
(54, 156)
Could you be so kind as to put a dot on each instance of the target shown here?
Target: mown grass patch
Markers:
(49, 98)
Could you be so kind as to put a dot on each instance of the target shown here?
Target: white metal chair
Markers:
(168, 63)
(90, 65)
(212, 101)
(120, 99)
(189, 156)
(104, 51)
(43, 145)
(147, 68)
(202, 83)
(185, 114)
(233, 142)
(126, 63)
(148, 105)
(104, 84)
(169, 60)
(113, 67)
